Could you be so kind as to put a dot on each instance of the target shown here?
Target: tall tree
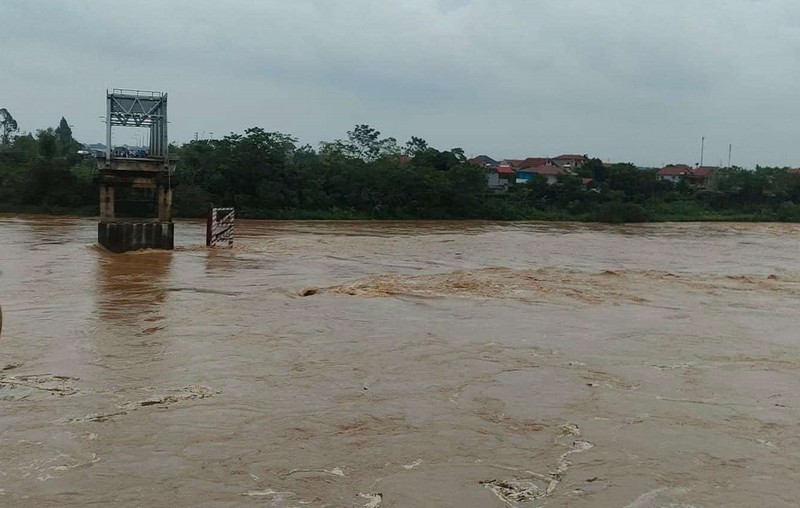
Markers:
(9, 126)
(415, 146)
(364, 142)
(64, 132)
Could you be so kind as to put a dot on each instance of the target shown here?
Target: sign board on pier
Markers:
(219, 229)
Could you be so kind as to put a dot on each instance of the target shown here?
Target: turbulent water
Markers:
(402, 364)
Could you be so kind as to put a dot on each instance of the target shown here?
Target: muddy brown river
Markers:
(368, 364)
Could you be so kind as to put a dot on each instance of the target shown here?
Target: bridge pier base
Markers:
(125, 236)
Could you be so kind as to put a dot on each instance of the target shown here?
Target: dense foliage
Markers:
(45, 173)
(268, 175)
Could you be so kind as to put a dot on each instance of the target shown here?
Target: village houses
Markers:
(502, 174)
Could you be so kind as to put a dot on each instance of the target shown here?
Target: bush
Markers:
(617, 212)
(789, 212)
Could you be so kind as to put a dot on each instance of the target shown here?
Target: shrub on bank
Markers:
(617, 213)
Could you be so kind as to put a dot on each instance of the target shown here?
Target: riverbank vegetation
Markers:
(365, 176)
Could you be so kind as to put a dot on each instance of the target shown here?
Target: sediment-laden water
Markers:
(402, 364)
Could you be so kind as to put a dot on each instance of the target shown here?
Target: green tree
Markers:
(48, 143)
(364, 143)
(64, 133)
(595, 169)
(9, 126)
(415, 146)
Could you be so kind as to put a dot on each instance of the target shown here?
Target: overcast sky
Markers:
(624, 80)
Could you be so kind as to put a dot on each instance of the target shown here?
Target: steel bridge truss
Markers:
(138, 108)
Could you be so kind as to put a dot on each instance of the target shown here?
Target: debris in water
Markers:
(570, 429)
(516, 490)
(21, 387)
(308, 292)
(337, 471)
(260, 493)
(413, 464)
(189, 393)
(192, 392)
(374, 499)
(536, 486)
(96, 417)
(274, 494)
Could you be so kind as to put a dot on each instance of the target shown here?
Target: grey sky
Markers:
(625, 80)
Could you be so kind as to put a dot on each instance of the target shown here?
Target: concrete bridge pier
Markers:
(122, 168)
(106, 203)
(164, 204)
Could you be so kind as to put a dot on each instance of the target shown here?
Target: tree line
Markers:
(367, 176)
(44, 172)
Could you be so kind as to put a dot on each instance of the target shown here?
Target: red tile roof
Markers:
(675, 170)
(545, 170)
(704, 171)
(571, 157)
(532, 162)
(513, 162)
(505, 169)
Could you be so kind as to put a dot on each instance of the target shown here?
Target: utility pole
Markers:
(702, 150)
(730, 149)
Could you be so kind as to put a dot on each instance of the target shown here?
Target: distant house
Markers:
(570, 162)
(700, 176)
(674, 172)
(549, 171)
(500, 177)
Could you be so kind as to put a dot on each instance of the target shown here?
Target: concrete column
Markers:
(164, 204)
(106, 203)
